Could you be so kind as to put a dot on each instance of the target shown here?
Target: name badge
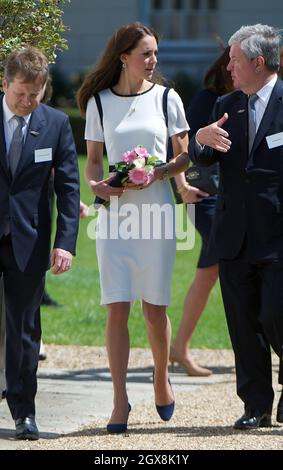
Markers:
(274, 140)
(43, 155)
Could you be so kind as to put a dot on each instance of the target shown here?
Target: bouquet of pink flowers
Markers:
(137, 166)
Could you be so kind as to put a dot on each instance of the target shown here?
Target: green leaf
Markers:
(149, 167)
(31, 22)
(154, 161)
(121, 166)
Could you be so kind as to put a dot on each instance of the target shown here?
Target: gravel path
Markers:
(203, 418)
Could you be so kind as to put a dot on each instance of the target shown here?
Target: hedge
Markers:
(78, 128)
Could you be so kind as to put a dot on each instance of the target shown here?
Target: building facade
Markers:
(191, 31)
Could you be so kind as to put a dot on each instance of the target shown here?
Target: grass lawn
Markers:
(82, 319)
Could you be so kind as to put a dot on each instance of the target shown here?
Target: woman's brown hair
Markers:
(108, 69)
(217, 79)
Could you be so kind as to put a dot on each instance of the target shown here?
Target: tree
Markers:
(31, 22)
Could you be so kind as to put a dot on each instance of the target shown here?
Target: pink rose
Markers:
(141, 152)
(150, 176)
(138, 176)
(129, 156)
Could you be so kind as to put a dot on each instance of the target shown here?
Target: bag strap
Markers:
(165, 104)
(99, 107)
(165, 112)
(177, 196)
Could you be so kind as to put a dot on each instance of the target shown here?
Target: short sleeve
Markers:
(176, 114)
(93, 128)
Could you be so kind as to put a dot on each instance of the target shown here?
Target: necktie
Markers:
(252, 120)
(16, 145)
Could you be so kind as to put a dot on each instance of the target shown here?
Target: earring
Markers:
(123, 65)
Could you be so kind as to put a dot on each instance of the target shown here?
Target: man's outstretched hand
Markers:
(214, 136)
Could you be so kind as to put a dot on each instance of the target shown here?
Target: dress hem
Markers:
(117, 297)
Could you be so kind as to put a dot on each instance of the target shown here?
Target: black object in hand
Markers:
(116, 182)
(204, 178)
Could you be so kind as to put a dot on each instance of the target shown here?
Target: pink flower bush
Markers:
(129, 156)
(150, 176)
(138, 175)
(137, 166)
(140, 165)
(137, 153)
(142, 152)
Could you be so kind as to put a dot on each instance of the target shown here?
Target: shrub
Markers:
(62, 94)
(78, 128)
(185, 86)
(31, 22)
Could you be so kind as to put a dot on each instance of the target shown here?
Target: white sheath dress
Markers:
(136, 240)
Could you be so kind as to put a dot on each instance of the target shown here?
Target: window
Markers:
(195, 4)
(157, 4)
(212, 4)
(177, 4)
(184, 19)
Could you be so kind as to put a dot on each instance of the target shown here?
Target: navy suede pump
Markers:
(165, 411)
(119, 428)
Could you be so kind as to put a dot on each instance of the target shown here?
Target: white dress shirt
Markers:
(263, 98)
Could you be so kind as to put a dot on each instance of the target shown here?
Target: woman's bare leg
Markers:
(194, 305)
(118, 347)
(159, 335)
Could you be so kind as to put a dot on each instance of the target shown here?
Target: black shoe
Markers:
(253, 419)
(26, 429)
(119, 428)
(49, 302)
(165, 411)
(42, 356)
(3, 394)
(279, 416)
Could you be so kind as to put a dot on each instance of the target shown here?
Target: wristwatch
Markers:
(165, 173)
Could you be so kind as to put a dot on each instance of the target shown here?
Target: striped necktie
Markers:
(16, 145)
(252, 120)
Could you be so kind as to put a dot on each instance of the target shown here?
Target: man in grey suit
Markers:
(35, 139)
(246, 137)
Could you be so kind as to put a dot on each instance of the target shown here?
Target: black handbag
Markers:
(205, 178)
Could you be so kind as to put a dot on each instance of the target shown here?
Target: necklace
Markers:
(133, 106)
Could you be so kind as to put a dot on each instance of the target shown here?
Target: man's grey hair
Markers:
(259, 39)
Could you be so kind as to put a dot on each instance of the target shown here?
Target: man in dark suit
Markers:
(247, 126)
(2, 341)
(34, 138)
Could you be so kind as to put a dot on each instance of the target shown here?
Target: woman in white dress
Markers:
(136, 262)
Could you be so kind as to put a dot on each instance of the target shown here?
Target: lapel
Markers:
(3, 156)
(273, 107)
(36, 123)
